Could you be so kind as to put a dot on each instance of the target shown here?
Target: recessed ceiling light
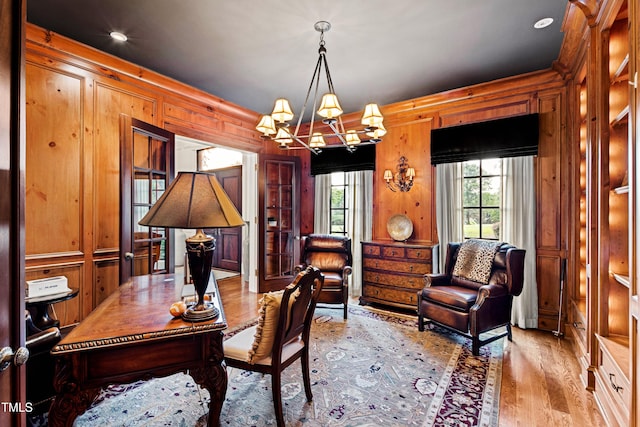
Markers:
(543, 23)
(118, 36)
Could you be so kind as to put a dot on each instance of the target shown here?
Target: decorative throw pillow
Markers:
(475, 259)
(267, 324)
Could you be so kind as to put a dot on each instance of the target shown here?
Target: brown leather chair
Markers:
(471, 308)
(332, 255)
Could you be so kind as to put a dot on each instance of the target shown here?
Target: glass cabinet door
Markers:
(279, 223)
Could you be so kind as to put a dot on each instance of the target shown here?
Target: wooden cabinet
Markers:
(279, 220)
(392, 272)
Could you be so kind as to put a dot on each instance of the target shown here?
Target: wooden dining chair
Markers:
(281, 335)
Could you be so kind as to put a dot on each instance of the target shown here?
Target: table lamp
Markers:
(195, 200)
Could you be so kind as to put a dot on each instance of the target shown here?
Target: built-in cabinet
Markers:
(279, 221)
(603, 297)
(578, 305)
(612, 375)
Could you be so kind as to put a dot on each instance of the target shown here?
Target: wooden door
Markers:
(228, 253)
(12, 242)
(146, 170)
(279, 222)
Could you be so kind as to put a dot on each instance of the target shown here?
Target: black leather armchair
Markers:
(471, 308)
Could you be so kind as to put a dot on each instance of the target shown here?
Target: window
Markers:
(338, 208)
(481, 198)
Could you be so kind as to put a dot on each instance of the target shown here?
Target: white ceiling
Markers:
(250, 52)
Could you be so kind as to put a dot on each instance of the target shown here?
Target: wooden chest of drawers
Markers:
(392, 272)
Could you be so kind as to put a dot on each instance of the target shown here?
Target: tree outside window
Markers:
(482, 198)
(339, 196)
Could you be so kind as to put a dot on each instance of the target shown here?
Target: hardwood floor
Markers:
(540, 374)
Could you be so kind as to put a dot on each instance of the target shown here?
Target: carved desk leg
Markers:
(213, 377)
(70, 400)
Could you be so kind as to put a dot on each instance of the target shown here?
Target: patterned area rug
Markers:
(375, 369)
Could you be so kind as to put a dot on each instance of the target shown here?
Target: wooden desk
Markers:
(132, 336)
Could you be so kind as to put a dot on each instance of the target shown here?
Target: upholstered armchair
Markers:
(470, 305)
(331, 254)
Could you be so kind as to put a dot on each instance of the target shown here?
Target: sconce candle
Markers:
(403, 179)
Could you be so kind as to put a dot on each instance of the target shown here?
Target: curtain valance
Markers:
(509, 137)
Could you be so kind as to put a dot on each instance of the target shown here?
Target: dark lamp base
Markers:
(209, 312)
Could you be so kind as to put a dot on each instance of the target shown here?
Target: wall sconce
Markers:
(403, 178)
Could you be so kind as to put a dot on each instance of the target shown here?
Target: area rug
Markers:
(374, 369)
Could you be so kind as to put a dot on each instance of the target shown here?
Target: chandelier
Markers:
(275, 127)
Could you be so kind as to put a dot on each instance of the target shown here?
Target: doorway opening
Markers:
(186, 159)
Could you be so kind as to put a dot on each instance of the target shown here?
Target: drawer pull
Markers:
(376, 264)
(411, 268)
(419, 253)
(577, 326)
(377, 278)
(614, 386)
(393, 253)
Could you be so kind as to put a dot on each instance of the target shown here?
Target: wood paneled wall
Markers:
(74, 97)
(409, 124)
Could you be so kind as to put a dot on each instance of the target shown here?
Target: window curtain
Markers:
(359, 221)
(448, 207)
(519, 229)
(518, 223)
(322, 204)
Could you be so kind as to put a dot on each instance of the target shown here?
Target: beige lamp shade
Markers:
(352, 138)
(267, 126)
(283, 137)
(317, 140)
(411, 173)
(193, 200)
(379, 132)
(329, 106)
(282, 111)
(372, 116)
(388, 175)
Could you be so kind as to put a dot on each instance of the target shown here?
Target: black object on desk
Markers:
(39, 307)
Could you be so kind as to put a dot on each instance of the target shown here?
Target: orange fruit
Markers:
(177, 308)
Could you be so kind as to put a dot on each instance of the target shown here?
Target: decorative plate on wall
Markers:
(399, 227)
